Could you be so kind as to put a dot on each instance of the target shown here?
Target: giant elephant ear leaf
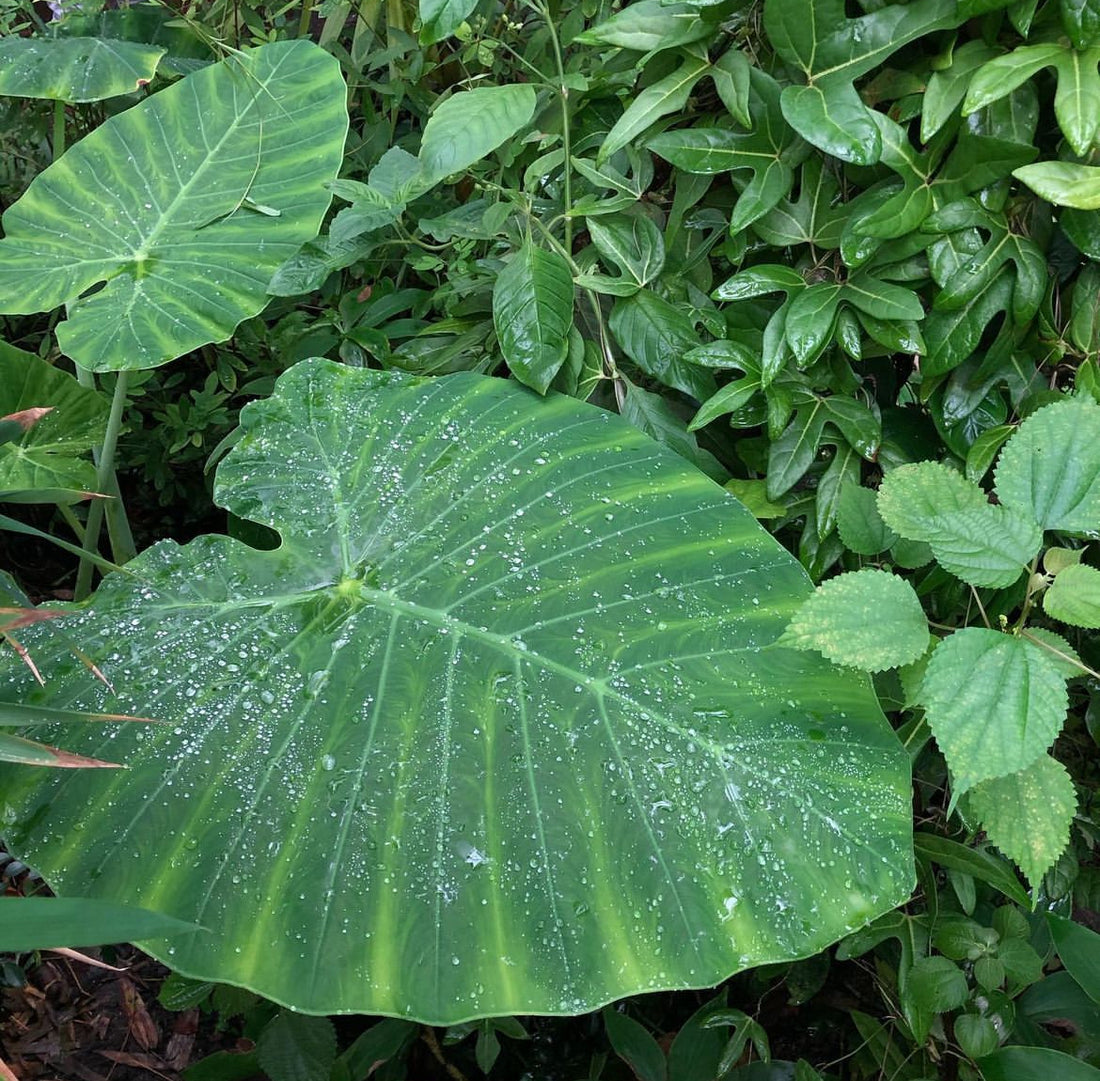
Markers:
(493, 731)
(236, 157)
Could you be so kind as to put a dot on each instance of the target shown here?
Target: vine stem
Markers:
(566, 142)
(105, 481)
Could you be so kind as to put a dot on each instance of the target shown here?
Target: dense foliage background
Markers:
(811, 246)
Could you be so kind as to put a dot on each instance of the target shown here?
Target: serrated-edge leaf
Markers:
(1028, 814)
(994, 702)
(867, 619)
(1074, 596)
(985, 546)
(1050, 469)
(913, 498)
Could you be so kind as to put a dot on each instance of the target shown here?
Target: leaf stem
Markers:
(566, 143)
(58, 141)
(105, 481)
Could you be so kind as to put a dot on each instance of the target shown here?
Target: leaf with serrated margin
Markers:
(296, 1047)
(1028, 814)
(770, 151)
(859, 523)
(867, 619)
(914, 497)
(1050, 469)
(816, 38)
(985, 546)
(532, 313)
(667, 95)
(1074, 596)
(994, 702)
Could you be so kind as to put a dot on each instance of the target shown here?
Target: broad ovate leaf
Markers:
(914, 498)
(471, 124)
(184, 206)
(533, 312)
(75, 69)
(994, 702)
(492, 731)
(868, 619)
(1027, 814)
(1050, 469)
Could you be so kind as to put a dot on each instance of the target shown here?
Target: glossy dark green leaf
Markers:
(947, 86)
(816, 38)
(1035, 1064)
(532, 313)
(770, 151)
(635, 1046)
(75, 69)
(631, 242)
(655, 335)
(1079, 951)
(731, 74)
(653, 414)
(1076, 100)
(859, 523)
(982, 865)
(811, 218)
(792, 454)
(376, 727)
(294, 1047)
(184, 255)
(667, 95)
(1081, 19)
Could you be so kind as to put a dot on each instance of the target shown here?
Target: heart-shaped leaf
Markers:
(186, 246)
(491, 732)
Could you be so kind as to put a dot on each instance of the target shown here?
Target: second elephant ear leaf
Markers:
(493, 731)
(161, 229)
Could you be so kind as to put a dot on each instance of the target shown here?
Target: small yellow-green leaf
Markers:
(913, 498)
(1028, 814)
(1074, 596)
(1055, 560)
(1064, 183)
(869, 619)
